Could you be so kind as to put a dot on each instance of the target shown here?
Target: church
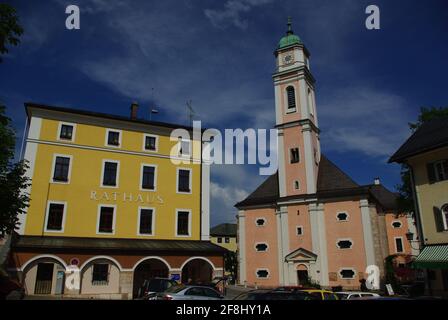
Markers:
(310, 223)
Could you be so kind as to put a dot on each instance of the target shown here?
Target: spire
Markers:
(289, 27)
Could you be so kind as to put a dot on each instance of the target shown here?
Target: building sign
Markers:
(126, 197)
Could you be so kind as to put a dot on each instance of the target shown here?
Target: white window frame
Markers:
(55, 155)
(262, 269)
(342, 278)
(182, 155)
(58, 137)
(257, 243)
(402, 244)
(299, 235)
(346, 220)
(114, 219)
(344, 239)
(189, 223)
(144, 143)
(120, 137)
(118, 173)
(155, 177)
(392, 224)
(47, 212)
(444, 218)
(260, 218)
(139, 213)
(177, 181)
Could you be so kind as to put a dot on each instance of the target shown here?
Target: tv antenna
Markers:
(190, 112)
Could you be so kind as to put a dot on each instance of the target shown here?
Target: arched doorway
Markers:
(302, 274)
(147, 270)
(44, 275)
(197, 271)
(100, 275)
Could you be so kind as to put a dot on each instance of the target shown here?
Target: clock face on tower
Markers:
(288, 58)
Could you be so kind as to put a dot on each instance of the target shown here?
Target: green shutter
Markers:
(431, 172)
(438, 219)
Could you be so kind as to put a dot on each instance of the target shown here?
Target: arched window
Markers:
(291, 98)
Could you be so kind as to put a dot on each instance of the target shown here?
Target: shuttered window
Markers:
(290, 92)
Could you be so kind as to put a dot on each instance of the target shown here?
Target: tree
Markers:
(10, 30)
(231, 263)
(405, 201)
(13, 181)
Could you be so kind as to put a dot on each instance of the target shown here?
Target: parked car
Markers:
(352, 295)
(153, 286)
(10, 289)
(189, 292)
(322, 294)
(275, 295)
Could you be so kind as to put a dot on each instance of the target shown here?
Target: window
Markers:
(106, 220)
(299, 231)
(219, 240)
(148, 177)
(296, 185)
(150, 143)
(291, 95)
(396, 224)
(61, 169)
(227, 240)
(437, 171)
(183, 180)
(398, 245)
(110, 174)
(183, 223)
(55, 217)
(260, 222)
(445, 217)
(66, 132)
(342, 216)
(185, 147)
(113, 138)
(146, 221)
(100, 274)
(347, 274)
(295, 156)
(344, 244)
(261, 247)
(262, 273)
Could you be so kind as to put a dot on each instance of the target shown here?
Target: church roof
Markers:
(431, 135)
(331, 182)
(290, 38)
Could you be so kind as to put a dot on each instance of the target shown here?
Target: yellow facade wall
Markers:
(82, 208)
(430, 195)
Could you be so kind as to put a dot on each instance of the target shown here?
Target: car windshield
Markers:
(175, 289)
(158, 285)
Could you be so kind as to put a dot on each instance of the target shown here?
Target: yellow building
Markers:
(115, 197)
(426, 154)
(224, 235)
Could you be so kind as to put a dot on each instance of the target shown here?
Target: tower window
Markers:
(399, 245)
(290, 92)
(345, 244)
(260, 222)
(396, 224)
(347, 274)
(296, 185)
(262, 273)
(299, 231)
(295, 156)
(342, 216)
(261, 247)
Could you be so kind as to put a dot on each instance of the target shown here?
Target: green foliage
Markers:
(231, 263)
(10, 30)
(405, 201)
(13, 200)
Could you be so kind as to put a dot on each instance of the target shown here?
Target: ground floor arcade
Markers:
(109, 268)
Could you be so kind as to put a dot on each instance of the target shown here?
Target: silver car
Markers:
(190, 292)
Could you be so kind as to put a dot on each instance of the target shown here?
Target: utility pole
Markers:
(190, 113)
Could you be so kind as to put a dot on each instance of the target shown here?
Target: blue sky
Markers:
(219, 54)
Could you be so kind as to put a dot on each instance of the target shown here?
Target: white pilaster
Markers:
(242, 246)
(309, 160)
(319, 242)
(367, 232)
(281, 164)
(283, 244)
(205, 199)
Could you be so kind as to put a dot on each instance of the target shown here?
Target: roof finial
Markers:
(289, 26)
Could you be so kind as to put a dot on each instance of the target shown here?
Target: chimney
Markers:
(134, 110)
(377, 181)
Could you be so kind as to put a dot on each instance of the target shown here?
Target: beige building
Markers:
(426, 154)
(224, 235)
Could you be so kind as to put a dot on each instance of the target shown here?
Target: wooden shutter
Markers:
(431, 172)
(438, 219)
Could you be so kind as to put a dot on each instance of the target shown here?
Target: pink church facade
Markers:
(310, 220)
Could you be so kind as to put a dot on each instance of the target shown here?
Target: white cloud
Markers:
(231, 14)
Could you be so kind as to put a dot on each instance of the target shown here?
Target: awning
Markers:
(432, 257)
